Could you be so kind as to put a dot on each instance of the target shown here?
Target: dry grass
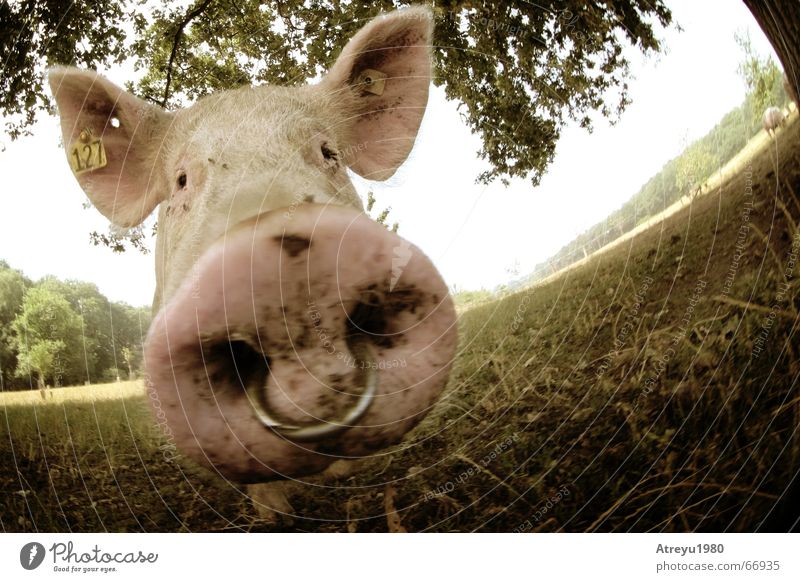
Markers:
(610, 399)
(70, 394)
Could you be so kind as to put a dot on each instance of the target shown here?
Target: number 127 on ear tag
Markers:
(87, 154)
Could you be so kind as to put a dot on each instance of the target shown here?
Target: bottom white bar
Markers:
(373, 557)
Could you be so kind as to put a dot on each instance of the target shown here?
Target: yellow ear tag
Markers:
(372, 81)
(87, 154)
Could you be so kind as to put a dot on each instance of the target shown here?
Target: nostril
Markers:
(368, 319)
(383, 315)
(234, 362)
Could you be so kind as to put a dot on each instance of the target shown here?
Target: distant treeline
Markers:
(61, 333)
(681, 176)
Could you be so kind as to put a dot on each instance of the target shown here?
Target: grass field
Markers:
(652, 388)
(73, 394)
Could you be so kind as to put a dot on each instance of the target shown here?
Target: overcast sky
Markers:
(473, 233)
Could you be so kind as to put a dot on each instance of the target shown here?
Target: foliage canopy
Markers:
(520, 69)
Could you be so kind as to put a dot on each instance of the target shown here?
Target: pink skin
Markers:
(256, 286)
(263, 253)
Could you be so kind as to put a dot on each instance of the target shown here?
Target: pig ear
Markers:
(128, 187)
(386, 111)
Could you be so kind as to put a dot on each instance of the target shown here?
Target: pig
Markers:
(773, 118)
(290, 330)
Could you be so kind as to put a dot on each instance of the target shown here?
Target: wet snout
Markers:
(304, 335)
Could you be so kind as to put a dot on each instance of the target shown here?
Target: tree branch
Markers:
(191, 15)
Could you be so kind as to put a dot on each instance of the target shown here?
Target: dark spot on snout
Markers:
(293, 244)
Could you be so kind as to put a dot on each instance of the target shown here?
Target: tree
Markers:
(694, 166)
(130, 328)
(778, 19)
(762, 77)
(47, 324)
(12, 290)
(520, 69)
(40, 360)
(128, 357)
(94, 313)
(35, 34)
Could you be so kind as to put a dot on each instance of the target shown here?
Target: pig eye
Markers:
(182, 180)
(330, 154)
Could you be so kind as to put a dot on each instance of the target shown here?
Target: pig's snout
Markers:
(304, 335)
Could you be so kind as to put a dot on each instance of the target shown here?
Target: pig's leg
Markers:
(272, 501)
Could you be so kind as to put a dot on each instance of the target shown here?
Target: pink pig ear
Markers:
(387, 110)
(129, 186)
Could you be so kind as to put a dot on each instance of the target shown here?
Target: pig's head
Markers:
(291, 330)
